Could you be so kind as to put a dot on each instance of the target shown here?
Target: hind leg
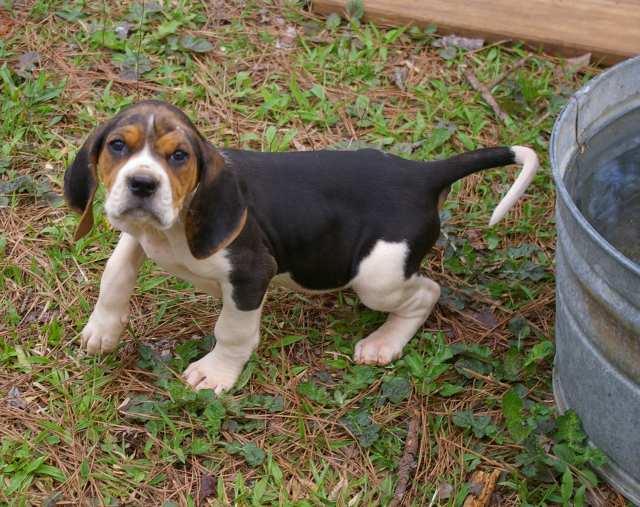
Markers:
(382, 286)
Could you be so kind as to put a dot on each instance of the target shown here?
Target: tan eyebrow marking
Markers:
(133, 136)
(168, 143)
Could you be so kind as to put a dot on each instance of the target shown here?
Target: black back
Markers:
(322, 212)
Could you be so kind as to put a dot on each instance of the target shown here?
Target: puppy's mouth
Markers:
(136, 213)
(141, 214)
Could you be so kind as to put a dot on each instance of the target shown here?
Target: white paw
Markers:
(102, 332)
(377, 349)
(211, 372)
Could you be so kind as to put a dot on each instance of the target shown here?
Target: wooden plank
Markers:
(609, 29)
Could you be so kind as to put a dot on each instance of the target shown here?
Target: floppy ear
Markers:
(81, 179)
(217, 212)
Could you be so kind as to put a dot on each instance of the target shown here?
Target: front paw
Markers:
(377, 349)
(102, 332)
(211, 372)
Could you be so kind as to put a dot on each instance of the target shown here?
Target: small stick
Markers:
(408, 460)
(486, 94)
(509, 70)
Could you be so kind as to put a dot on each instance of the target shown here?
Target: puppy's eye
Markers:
(117, 145)
(179, 156)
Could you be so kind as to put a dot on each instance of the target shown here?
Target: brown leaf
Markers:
(37, 314)
(27, 63)
(476, 239)
(287, 39)
(132, 68)
(207, 488)
(475, 488)
(15, 399)
(578, 63)
(444, 490)
(486, 317)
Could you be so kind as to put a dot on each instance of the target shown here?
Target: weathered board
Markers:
(609, 29)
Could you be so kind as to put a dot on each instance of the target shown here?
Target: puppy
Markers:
(231, 222)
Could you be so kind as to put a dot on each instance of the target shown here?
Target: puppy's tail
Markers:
(458, 167)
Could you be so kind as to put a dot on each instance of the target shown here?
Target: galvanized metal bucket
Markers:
(597, 363)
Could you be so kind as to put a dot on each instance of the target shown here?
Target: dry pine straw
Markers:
(38, 301)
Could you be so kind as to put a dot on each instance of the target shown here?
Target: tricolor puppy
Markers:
(231, 222)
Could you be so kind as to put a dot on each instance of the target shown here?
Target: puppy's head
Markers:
(153, 162)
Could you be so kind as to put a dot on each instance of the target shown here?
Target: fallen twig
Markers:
(506, 73)
(484, 484)
(408, 460)
(486, 94)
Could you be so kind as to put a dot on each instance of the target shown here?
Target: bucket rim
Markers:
(561, 189)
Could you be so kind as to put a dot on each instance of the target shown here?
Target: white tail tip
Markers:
(529, 161)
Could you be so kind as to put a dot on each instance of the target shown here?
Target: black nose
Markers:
(142, 185)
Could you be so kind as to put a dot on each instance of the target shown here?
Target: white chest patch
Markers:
(170, 251)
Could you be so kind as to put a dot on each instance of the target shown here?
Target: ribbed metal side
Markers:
(597, 363)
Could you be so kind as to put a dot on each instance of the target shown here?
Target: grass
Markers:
(304, 426)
